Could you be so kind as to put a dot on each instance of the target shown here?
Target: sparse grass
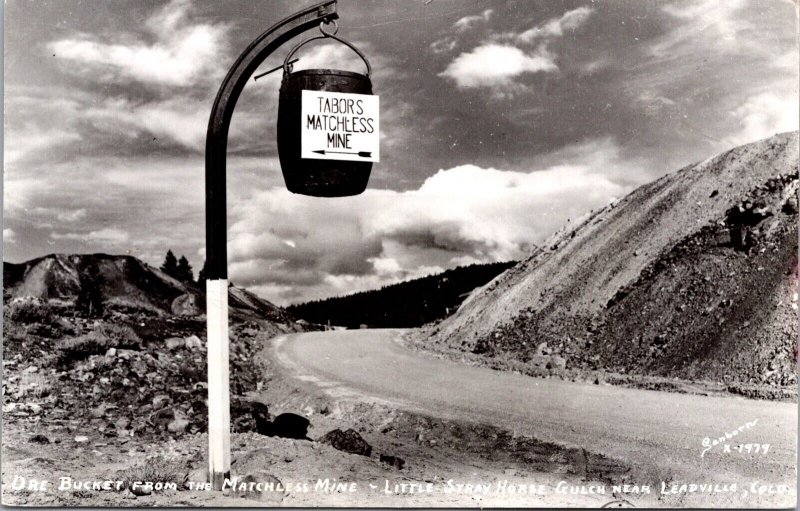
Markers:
(156, 470)
(35, 385)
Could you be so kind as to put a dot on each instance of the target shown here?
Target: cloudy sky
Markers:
(501, 121)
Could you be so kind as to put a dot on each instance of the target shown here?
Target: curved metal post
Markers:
(216, 225)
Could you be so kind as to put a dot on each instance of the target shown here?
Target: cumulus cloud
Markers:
(493, 64)
(468, 22)
(457, 216)
(108, 235)
(556, 27)
(498, 62)
(764, 115)
(182, 54)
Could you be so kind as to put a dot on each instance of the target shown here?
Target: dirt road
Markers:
(659, 435)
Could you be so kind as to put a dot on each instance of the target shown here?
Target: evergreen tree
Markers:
(170, 265)
(202, 276)
(90, 297)
(184, 271)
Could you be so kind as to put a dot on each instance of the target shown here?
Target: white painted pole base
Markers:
(219, 414)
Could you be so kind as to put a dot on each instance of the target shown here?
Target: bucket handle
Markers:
(325, 35)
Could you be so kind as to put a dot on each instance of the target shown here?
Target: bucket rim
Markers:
(338, 72)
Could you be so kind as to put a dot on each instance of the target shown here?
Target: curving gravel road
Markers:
(658, 434)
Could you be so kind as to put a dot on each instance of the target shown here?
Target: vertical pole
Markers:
(219, 449)
(219, 432)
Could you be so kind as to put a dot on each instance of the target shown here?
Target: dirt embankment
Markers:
(691, 277)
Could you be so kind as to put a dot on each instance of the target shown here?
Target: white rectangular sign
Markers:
(339, 126)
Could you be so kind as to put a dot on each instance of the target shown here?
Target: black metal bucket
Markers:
(319, 178)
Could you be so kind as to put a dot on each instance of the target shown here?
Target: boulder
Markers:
(174, 342)
(347, 441)
(249, 415)
(193, 342)
(394, 461)
(260, 413)
(140, 490)
(288, 425)
(178, 425)
(186, 305)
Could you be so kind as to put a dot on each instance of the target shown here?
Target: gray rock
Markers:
(141, 490)
(160, 401)
(186, 305)
(174, 342)
(178, 425)
(193, 342)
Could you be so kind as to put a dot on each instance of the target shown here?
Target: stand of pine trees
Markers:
(179, 269)
(404, 305)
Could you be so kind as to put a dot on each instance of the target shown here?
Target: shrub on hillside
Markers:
(119, 335)
(27, 312)
(83, 346)
(40, 318)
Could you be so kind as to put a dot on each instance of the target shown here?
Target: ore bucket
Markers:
(319, 178)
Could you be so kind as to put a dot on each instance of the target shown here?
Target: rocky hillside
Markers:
(691, 276)
(136, 367)
(124, 282)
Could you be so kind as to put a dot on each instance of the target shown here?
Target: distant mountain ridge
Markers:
(692, 276)
(124, 282)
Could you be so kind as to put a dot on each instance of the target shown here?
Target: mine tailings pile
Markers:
(120, 346)
(692, 276)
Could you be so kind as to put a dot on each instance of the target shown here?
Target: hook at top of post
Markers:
(331, 22)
